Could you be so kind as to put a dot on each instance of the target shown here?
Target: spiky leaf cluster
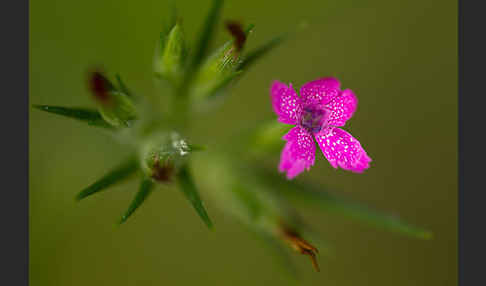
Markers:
(162, 152)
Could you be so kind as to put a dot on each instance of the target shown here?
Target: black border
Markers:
(14, 208)
(472, 202)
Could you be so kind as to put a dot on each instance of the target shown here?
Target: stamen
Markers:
(313, 119)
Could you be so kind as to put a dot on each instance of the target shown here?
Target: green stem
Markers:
(181, 108)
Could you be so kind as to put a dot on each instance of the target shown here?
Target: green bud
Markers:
(216, 72)
(219, 70)
(163, 155)
(115, 106)
(118, 110)
(169, 63)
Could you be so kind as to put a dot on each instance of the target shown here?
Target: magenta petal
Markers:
(343, 150)
(299, 152)
(285, 102)
(320, 92)
(342, 108)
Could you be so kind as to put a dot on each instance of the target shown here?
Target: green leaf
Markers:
(168, 24)
(258, 53)
(169, 64)
(146, 188)
(202, 45)
(216, 73)
(90, 116)
(116, 175)
(189, 189)
(220, 88)
(314, 195)
(196, 148)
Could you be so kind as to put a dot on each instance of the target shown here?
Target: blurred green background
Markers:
(400, 58)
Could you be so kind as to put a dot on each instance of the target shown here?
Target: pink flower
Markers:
(320, 109)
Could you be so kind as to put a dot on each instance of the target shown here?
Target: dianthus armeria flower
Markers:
(321, 108)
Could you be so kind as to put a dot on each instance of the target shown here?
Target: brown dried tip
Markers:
(236, 30)
(100, 86)
(301, 245)
(162, 173)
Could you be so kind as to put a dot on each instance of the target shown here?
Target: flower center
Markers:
(313, 119)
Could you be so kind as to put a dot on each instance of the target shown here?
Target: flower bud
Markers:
(217, 70)
(221, 67)
(121, 112)
(100, 86)
(114, 106)
(172, 53)
(163, 155)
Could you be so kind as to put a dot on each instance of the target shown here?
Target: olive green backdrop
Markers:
(400, 58)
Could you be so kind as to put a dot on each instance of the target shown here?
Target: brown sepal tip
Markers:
(236, 30)
(162, 173)
(99, 86)
(301, 245)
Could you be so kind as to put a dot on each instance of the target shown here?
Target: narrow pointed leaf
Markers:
(258, 53)
(312, 194)
(146, 188)
(219, 89)
(189, 189)
(116, 175)
(90, 116)
(168, 24)
(202, 44)
(169, 64)
(196, 148)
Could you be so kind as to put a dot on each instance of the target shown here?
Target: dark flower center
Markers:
(313, 119)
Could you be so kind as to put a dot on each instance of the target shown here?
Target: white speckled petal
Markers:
(285, 102)
(343, 150)
(299, 152)
(342, 108)
(320, 92)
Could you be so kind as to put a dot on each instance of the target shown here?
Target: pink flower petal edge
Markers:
(299, 152)
(285, 102)
(342, 150)
(342, 108)
(320, 92)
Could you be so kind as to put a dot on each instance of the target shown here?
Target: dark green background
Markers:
(400, 58)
